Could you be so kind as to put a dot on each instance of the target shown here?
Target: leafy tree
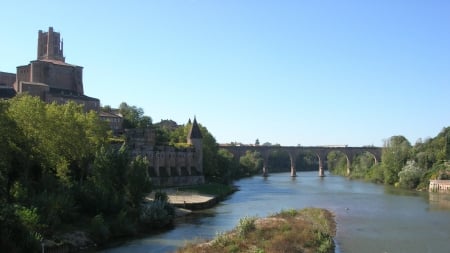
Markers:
(138, 182)
(337, 163)
(14, 163)
(133, 117)
(410, 175)
(251, 162)
(395, 153)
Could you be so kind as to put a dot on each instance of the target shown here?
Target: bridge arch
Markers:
(321, 152)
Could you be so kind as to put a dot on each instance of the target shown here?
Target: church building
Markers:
(50, 77)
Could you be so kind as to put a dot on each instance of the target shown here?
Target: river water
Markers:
(370, 217)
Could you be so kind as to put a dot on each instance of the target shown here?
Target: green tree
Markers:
(14, 162)
(395, 153)
(410, 175)
(138, 182)
(133, 117)
(251, 162)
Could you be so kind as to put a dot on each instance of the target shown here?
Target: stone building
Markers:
(114, 119)
(49, 76)
(7, 85)
(439, 185)
(169, 166)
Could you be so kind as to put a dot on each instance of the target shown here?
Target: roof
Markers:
(109, 115)
(57, 92)
(195, 132)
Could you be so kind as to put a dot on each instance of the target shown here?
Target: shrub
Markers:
(99, 230)
(246, 225)
(157, 214)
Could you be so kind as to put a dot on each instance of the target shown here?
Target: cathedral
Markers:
(49, 76)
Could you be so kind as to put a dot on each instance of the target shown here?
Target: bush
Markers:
(410, 175)
(246, 225)
(122, 224)
(157, 214)
(14, 235)
(99, 230)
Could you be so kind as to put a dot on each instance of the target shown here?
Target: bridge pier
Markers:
(292, 157)
(265, 164)
(321, 158)
(321, 172)
(293, 171)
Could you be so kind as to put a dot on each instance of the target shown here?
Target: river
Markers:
(370, 217)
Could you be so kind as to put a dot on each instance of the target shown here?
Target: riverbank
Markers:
(306, 230)
(188, 199)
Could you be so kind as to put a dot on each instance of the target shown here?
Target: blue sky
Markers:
(287, 72)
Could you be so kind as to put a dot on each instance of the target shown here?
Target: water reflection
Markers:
(439, 201)
(371, 218)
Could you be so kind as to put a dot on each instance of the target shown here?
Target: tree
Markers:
(133, 117)
(395, 153)
(138, 182)
(409, 176)
(251, 162)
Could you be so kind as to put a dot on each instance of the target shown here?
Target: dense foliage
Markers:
(57, 170)
(402, 164)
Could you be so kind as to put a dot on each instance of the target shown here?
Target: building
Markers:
(49, 76)
(7, 85)
(114, 119)
(439, 185)
(169, 166)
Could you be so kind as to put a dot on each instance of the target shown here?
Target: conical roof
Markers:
(195, 132)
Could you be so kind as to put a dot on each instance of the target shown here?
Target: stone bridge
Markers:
(321, 152)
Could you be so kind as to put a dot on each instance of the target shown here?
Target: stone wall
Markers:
(439, 185)
(168, 166)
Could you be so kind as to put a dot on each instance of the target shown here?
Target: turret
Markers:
(195, 138)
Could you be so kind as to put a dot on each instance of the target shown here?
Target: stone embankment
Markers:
(187, 201)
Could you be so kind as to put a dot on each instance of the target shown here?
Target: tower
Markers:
(195, 138)
(50, 46)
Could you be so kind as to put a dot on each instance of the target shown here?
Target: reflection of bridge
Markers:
(320, 151)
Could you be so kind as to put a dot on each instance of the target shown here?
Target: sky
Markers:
(286, 72)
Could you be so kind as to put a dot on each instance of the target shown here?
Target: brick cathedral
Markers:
(49, 76)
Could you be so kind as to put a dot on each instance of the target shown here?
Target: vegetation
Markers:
(307, 230)
(58, 171)
(402, 164)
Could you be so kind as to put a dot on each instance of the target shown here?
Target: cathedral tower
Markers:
(50, 46)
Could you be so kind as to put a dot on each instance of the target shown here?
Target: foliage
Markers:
(156, 214)
(99, 230)
(138, 182)
(15, 236)
(251, 162)
(245, 226)
(309, 230)
(133, 117)
(57, 169)
(410, 175)
(396, 152)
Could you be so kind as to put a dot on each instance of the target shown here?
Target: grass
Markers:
(306, 230)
